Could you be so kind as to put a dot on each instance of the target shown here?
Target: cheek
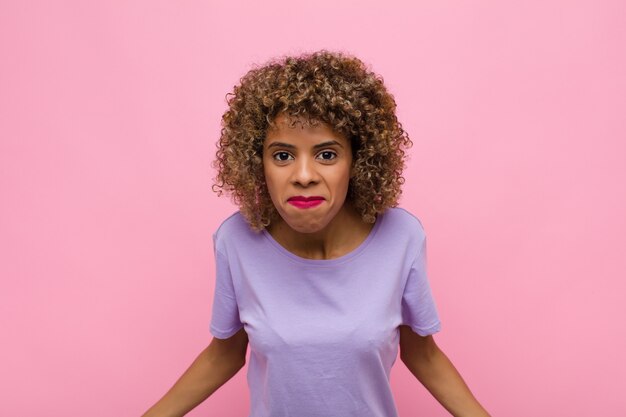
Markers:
(342, 177)
(341, 183)
(267, 172)
(271, 181)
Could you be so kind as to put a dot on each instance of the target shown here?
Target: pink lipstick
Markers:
(305, 202)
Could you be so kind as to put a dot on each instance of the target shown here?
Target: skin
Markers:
(311, 161)
(294, 165)
(211, 369)
(435, 371)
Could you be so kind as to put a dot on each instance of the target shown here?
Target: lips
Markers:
(303, 202)
(302, 198)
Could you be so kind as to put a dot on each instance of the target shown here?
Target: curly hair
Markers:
(330, 87)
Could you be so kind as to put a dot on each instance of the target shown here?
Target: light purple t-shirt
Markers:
(323, 334)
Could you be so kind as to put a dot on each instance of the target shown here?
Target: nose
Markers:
(305, 172)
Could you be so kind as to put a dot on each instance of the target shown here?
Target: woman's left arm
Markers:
(435, 371)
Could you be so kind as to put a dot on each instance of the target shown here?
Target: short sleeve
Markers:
(225, 320)
(418, 306)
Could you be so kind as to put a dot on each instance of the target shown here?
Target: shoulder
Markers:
(403, 221)
(231, 223)
(234, 228)
(401, 232)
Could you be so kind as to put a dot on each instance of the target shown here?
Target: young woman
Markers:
(319, 271)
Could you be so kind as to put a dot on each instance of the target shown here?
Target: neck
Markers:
(344, 233)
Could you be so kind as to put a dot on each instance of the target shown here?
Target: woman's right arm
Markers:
(215, 365)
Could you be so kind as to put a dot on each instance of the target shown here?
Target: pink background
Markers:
(109, 114)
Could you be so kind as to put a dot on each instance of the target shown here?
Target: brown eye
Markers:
(281, 156)
(328, 155)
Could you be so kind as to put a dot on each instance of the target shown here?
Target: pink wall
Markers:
(109, 112)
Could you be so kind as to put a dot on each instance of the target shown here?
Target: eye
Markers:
(281, 156)
(328, 155)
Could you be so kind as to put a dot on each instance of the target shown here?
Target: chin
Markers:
(305, 227)
(308, 228)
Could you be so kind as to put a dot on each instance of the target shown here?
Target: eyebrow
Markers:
(290, 146)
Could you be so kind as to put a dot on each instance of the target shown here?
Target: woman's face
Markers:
(305, 162)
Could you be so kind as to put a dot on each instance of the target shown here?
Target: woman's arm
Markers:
(215, 365)
(435, 371)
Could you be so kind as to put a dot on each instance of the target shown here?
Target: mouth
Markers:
(302, 198)
(305, 202)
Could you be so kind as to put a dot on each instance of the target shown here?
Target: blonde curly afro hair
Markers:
(330, 87)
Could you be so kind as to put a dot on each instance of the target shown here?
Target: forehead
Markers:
(298, 128)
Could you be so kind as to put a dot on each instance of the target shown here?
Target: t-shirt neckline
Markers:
(327, 262)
